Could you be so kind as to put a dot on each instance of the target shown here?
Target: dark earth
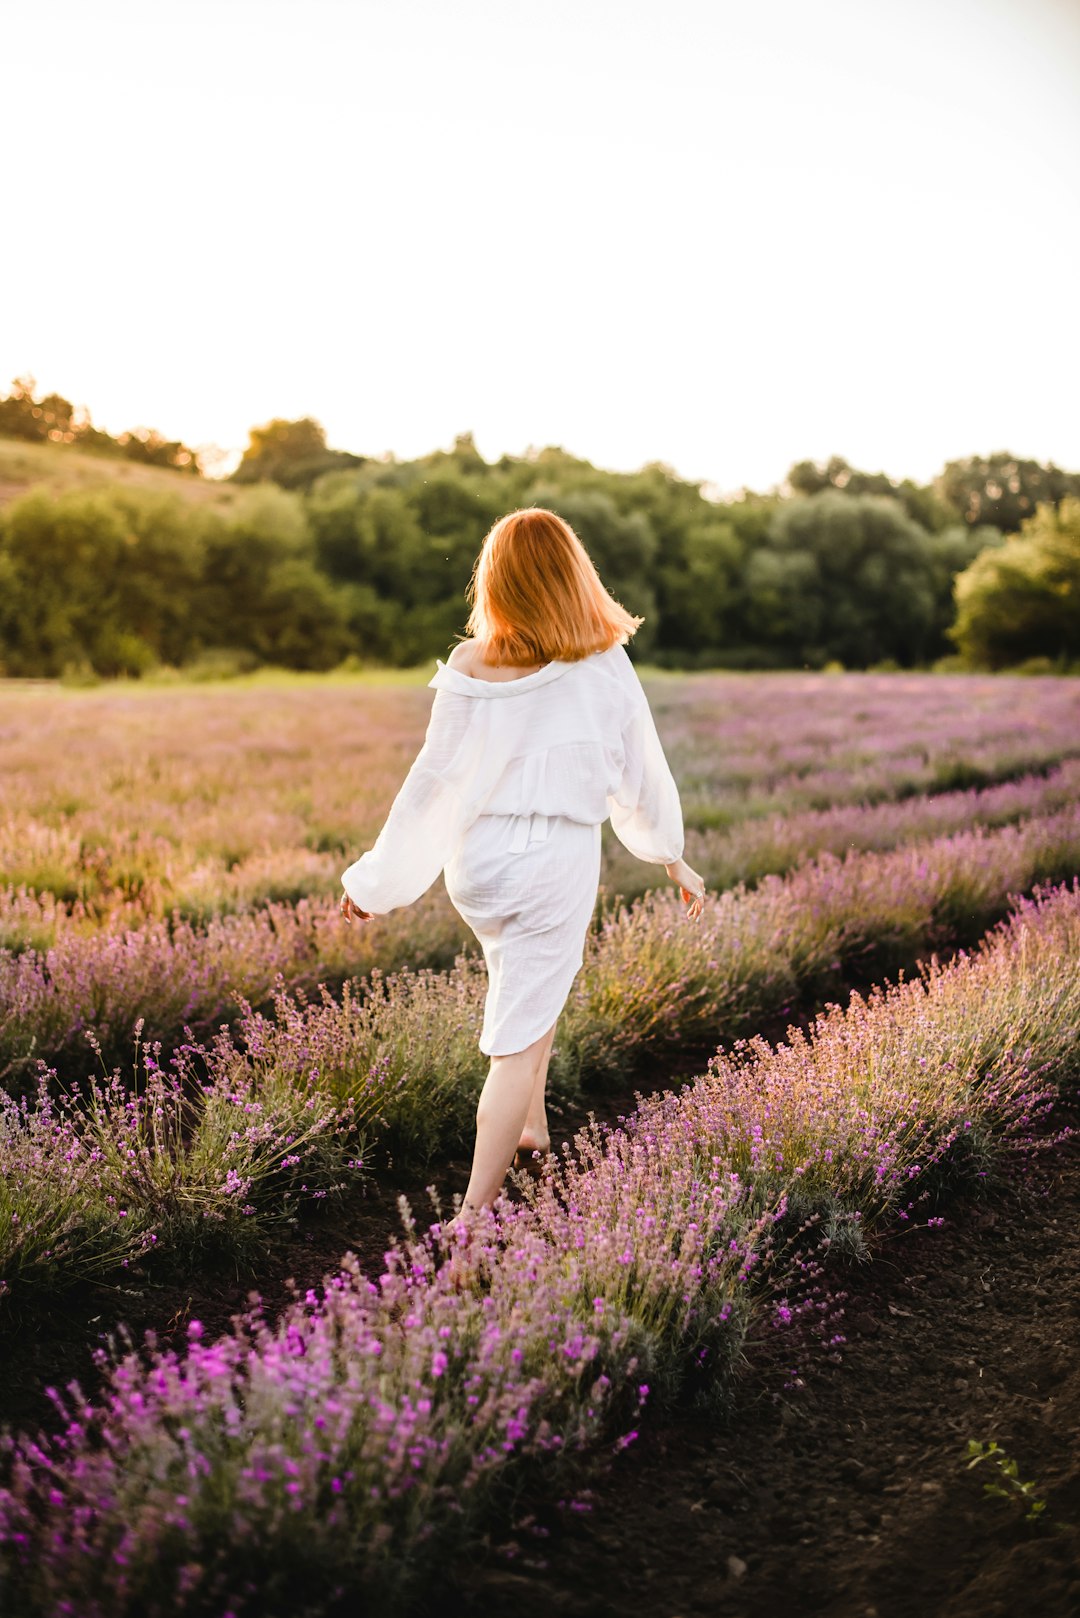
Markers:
(849, 1497)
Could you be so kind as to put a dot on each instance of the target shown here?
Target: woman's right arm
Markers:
(428, 817)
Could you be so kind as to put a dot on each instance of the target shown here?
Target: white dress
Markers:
(507, 797)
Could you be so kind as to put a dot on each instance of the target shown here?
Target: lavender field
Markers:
(197, 1053)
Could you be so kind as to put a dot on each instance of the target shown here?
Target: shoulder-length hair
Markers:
(536, 596)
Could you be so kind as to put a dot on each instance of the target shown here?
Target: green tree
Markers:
(290, 453)
(267, 527)
(55, 420)
(815, 477)
(151, 448)
(278, 445)
(108, 577)
(845, 577)
(951, 551)
(301, 619)
(923, 505)
(699, 590)
(1022, 599)
(50, 419)
(1003, 490)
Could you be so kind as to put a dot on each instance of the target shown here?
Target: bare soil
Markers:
(851, 1497)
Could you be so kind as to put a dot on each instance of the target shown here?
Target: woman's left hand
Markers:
(691, 886)
(349, 910)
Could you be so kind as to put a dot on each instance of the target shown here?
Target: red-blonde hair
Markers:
(536, 596)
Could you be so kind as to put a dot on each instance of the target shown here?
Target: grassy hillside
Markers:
(60, 467)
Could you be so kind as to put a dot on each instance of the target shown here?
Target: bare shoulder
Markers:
(463, 657)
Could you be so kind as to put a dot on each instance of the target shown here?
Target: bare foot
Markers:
(527, 1145)
(532, 1160)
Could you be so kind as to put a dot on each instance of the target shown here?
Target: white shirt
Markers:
(574, 739)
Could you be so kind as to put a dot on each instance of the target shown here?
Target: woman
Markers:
(539, 732)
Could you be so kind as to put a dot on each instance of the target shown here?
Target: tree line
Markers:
(321, 555)
(52, 419)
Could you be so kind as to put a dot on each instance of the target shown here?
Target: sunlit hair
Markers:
(536, 596)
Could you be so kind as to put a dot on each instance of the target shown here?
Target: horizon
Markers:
(708, 490)
(751, 240)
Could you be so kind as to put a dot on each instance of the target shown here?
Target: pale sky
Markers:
(725, 235)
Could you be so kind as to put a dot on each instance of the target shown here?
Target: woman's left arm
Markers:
(427, 819)
(646, 813)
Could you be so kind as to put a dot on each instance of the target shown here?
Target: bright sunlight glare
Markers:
(722, 236)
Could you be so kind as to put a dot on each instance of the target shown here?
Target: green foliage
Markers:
(1003, 490)
(311, 555)
(105, 578)
(151, 448)
(48, 419)
(290, 453)
(951, 551)
(843, 577)
(53, 419)
(1008, 1485)
(925, 506)
(115, 581)
(1022, 599)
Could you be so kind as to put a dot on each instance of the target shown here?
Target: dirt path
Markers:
(851, 1498)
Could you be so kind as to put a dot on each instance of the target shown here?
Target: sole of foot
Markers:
(532, 1160)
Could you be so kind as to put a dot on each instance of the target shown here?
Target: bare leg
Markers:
(536, 1136)
(501, 1112)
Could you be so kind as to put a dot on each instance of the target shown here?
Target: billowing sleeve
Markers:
(646, 814)
(438, 801)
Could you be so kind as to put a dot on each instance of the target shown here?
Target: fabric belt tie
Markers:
(531, 828)
(528, 829)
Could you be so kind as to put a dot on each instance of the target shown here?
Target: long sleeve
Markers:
(646, 814)
(438, 801)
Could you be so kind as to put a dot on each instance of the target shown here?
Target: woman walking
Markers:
(539, 732)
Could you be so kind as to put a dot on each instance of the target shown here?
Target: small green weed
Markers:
(1007, 1485)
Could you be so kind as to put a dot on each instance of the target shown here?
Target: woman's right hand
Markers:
(349, 910)
(691, 886)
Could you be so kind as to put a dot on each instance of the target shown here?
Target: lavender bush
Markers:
(205, 1154)
(646, 973)
(141, 803)
(650, 980)
(398, 1058)
(307, 1465)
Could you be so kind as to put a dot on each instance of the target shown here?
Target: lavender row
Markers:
(170, 974)
(174, 974)
(33, 918)
(145, 803)
(334, 1455)
(652, 983)
(229, 1136)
